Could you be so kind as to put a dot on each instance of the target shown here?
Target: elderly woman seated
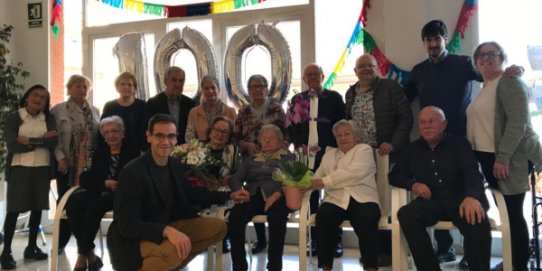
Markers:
(255, 176)
(347, 175)
(87, 206)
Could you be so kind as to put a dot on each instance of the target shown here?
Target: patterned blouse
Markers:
(250, 121)
(363, 115)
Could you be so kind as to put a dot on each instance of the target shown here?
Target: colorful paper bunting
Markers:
(56, 10)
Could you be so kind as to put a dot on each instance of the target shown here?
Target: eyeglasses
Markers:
(255, 87)
(170, 137)
(490, 54)
(224, 132)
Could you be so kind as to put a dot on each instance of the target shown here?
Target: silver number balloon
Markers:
(281, 61)
(130, 51)
(189, 39)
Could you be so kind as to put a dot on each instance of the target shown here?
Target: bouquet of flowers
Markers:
(293, 174)
(195, 155)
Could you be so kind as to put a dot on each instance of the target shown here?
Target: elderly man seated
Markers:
(443, 172)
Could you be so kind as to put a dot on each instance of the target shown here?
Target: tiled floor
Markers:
(290, 260)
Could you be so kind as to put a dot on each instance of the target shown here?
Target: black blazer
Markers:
(93, 180)
(159, 105)
(140, 213)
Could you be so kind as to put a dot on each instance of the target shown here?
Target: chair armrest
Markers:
(501, 207)
(399, 198)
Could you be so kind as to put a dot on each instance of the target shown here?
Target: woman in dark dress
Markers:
(31, 137)
(129, 109)
(87, 206)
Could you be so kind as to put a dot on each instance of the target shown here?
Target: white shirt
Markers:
(481, 118)
(350, 174)
(32, 127)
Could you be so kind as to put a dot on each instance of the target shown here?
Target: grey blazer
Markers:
(515, 140)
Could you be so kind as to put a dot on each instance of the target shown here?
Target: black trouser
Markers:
(314, 202)
(420, 213)
(364, 219)
(519, 232)
(277, 217)
(62, 186)
(9, 229)
(85, 211)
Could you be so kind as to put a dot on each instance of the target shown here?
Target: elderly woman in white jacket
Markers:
(347, 175)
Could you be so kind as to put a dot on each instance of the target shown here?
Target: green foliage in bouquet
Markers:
(293, 174)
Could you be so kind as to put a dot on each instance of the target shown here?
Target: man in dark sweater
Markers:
(443, 172)
(155, 224)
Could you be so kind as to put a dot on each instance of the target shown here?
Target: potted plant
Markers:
(10, 89)
(296, 178)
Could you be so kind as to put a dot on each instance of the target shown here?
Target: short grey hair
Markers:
(112, 119)
(172, 69)
(271, 127)
(259, 77)
(351, 123)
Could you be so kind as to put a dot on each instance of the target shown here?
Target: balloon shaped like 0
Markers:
(176, 40)
(130, 51)
(281, 62)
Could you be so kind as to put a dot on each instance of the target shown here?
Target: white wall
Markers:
(28, 45)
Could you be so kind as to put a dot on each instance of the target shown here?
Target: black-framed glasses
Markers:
(490, 54)
(161, 136)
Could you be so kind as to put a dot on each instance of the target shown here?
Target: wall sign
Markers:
(35, 18)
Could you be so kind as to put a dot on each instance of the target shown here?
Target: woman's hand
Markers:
(500, 171)
(23, 140)
(240, 196)
(224, 181)
(271, 200)
(50, 134)
(317, 184)
(111, 184)
(63, 166)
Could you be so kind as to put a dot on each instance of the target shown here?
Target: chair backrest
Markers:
(382, 184)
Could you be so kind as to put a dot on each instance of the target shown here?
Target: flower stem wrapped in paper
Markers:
(295, 177)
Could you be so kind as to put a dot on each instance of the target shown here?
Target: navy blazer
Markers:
(140, 212)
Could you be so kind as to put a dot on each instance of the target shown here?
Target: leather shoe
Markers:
(463, 264)
(226, 246)
(96, 264)
(338, 251)
(446, 257)
(34, 253)
(258, 247)
(82, 268)
(311, 250)
(7, 262)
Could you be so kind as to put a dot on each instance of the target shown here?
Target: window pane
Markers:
(185, 59)
(106, 69)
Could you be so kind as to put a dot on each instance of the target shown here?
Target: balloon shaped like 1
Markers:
(130, 51)
(281, 62)
(189, 39)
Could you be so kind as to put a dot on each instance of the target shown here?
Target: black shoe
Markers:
(311, 249)
(258, 247)
(446, 257)
(226, 245)
(338, 251)
(34, 253)
(96, 264)
(7, 262)
(83, 268)
(463, 264)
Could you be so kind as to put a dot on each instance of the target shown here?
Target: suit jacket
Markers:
(159, 105)
(140, 212)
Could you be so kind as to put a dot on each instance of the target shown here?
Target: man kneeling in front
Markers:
(443, 172)
(155, 226)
